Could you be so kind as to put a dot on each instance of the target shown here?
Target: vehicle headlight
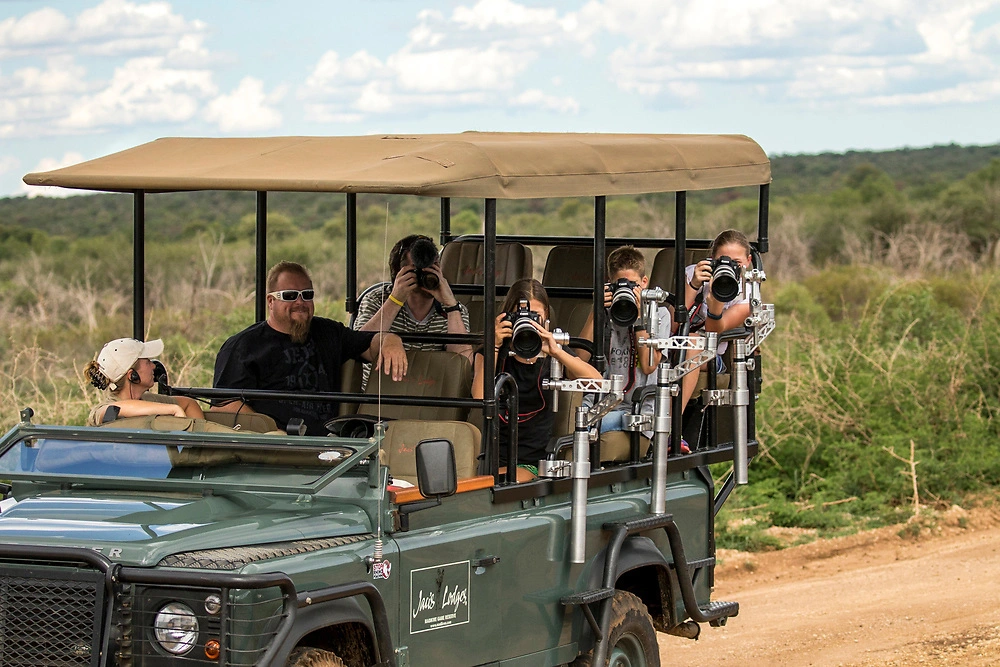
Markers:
(176, 628)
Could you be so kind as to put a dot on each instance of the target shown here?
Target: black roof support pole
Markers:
(445, 221)
(138, 264)
(680, 309)
(489, 334)
(260, 275)
(351, 253)
(600, 224)
(763, 207)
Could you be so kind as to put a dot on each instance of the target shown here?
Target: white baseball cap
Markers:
(118, 356)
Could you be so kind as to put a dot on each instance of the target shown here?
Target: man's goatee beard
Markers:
(299, 331)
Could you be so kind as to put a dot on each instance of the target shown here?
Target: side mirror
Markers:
(436, 473)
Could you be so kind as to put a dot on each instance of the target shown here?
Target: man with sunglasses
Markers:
(294, 351)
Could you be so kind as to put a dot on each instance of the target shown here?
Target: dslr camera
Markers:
(423, 254)
(525, 341)
(624, 309)
(727, 278)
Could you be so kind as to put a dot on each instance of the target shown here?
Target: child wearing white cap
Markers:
(124, 368)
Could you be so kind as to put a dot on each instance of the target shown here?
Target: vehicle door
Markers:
(450, 581)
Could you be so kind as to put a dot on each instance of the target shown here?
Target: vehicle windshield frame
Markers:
(362, 450)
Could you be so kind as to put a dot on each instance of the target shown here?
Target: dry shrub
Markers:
(918, 249)
(788, 255)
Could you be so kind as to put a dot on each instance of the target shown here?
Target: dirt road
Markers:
(869, 599)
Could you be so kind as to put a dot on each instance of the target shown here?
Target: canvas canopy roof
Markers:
(497, 165)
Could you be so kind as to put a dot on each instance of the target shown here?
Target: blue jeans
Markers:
(614, 421)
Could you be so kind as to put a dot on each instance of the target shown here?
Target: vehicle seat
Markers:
(662, 273)
(462, 263)
(570, 266)
(254, 421)
(351, 373)
(431, 373)
(402, 436)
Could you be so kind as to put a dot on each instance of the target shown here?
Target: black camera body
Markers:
(423, 254)
(525, 340)
(624, 309)
(727, 278)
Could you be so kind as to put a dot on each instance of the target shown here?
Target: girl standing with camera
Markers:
(518, 352)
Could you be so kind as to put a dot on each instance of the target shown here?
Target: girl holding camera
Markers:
(706, 310)
(527, 304)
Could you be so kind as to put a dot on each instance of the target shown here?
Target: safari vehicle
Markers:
(170, 541)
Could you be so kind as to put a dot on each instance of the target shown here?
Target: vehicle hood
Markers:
(142, 530)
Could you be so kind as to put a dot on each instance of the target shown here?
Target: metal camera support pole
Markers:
(668, 385)
(653, 297)
(741, 399)
(580, 472)
(760, 324)
(761, 319)
(579, 468)
(661, 437)
(555, 368)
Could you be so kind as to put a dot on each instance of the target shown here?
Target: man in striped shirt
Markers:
(406, 306)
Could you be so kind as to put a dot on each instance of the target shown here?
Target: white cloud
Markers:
(35, 98)
(167, 83)
(246, 109)
(537, 99)
(479, 56)
(48, 164)
(812, 53)
(490, 14)
(112, 28)
(39, 30)
(142, 90)
(453, 70)
(964, 93)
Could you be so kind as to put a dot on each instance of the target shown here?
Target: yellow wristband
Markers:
(392, 297)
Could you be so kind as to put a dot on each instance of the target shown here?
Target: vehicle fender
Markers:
(637, 551)
(322, 615)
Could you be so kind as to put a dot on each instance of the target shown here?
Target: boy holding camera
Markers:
(623, 328)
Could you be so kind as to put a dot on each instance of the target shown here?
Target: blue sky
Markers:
(80, 79)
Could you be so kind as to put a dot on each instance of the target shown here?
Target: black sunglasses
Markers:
(293, 294)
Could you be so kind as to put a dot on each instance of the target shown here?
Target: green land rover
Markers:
(397, 539)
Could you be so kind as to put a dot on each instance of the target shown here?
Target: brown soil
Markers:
(874, 598)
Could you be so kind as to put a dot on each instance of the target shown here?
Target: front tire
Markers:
(631, 639)
(305, 656)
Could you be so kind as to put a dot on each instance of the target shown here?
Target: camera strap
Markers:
(697, 320)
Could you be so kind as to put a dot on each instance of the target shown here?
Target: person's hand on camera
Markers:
(702, 274)
(442, 292)
(548, 345)
(607, 295)
(405, 283)
(502, 329)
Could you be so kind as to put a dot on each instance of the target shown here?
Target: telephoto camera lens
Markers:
(525, 340)
(727, 275)
(624, 309)
(423, 254)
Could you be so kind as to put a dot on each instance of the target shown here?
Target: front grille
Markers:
(50, 619)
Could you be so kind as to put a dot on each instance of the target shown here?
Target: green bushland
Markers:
(885, 288)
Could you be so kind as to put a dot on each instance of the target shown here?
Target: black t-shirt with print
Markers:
(260, 357)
